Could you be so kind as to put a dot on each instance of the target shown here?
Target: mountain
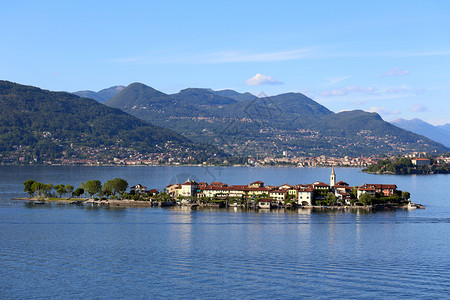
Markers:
(235, 95)
(445, 126)
(38, 125)
(101, 96)
(439, 134)
(269, 125)
(135, 94)
(201, 97)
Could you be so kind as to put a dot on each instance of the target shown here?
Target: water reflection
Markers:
(180, 229)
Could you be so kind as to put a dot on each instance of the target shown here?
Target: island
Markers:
(255, 195)
(405, 166)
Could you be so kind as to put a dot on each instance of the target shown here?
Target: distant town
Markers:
(183, 156)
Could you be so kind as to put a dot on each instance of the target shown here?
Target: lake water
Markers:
(63, 251)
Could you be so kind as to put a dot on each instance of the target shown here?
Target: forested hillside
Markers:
(243, 124)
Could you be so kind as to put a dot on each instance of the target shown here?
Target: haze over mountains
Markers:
(439, 133)
(243, 124)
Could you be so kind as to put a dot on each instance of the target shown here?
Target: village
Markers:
(255, 195)
(259, 195)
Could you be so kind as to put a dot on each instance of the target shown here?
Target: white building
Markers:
(305, 197)
(189, 188)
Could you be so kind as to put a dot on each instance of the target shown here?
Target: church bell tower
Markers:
(332, 178)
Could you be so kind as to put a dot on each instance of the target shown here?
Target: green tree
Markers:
(354, 193)
(69, 189)
(38, 187)
(366, 199)
(119, 185)
(163, 197)
(78, 192)
(406, 195)
(330, 199)
(28, 187)
(92, 187)
(60, 189)
(107, 188)
(47, 189)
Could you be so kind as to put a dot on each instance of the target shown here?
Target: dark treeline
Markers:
(404, 166)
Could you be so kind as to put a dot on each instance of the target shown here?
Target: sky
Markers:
(390, 57)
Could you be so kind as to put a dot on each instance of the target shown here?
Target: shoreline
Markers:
(187, 165)
(136, 203)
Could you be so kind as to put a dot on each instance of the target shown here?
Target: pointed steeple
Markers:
(332, 177)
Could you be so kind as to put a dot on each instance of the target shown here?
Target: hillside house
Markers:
(138, 189)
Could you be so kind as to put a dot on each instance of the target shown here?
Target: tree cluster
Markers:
(404, 166)
(110, 188)
(40, 189)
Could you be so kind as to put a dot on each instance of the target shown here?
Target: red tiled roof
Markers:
(381, 186)
(366, 189)
(216, 183)
(190, 183)
(320, 184)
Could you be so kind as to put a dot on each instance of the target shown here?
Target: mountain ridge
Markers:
(270, 125)
(38, 125)
(440, 133)
(101, 96)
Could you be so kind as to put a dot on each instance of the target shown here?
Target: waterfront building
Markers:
(318, 185)
(279, 195)
(384, 189)
(305, 197)
(365, 190)
(174, 190)
(189, 188)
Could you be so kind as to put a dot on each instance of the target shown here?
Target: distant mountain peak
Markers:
(102, 95)
(439, 134)
(134, 94)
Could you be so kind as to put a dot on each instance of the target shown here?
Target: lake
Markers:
(64, 251)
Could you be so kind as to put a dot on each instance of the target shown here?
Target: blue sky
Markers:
(392, 57)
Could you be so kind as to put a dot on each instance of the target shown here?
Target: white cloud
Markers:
(348, 90)
(260, 79)
(419, 108)
(396, 72)
(384, 111)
